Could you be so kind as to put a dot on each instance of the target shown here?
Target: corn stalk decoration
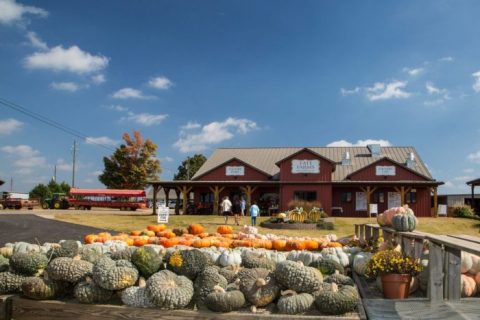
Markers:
(300, 215)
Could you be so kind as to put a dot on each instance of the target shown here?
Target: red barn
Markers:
(346, 181)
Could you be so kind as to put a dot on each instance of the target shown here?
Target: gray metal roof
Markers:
(265, 158)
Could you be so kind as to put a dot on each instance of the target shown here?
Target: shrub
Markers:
(463, 212)
(325, 225)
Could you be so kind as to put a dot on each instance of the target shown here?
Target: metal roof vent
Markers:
(411, 163)
(375, 149)
(346, 161)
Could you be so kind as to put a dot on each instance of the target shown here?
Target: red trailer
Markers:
(128, 200)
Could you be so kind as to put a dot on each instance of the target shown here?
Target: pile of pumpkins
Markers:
(398, 218)
(196, 237)
(470, 278)
(152, 276)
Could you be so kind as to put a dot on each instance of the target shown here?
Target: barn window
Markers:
(411, 197)
(346, 197)
(378, 197)
(305, 195)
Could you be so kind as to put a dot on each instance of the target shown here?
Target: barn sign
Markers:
(235, 170)
(305, 166)
(385, 170)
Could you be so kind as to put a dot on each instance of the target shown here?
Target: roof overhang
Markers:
(179, 183)
(230, 160)
(475, 182)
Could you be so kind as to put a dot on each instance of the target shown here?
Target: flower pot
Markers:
(396, 286)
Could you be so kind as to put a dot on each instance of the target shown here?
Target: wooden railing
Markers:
(444, 280)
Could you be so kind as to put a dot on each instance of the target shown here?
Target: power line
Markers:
(51, 122)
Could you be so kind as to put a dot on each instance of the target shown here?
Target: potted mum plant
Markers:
(396, 272)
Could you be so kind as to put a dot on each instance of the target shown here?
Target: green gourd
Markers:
(114, 275)
(230, 273)
(252, 260)
(41, 288)
(188, 263)
(169, 291)
(339, 279)
(205, 282)
(338, 300)
(221, 300)
(292, 303)
(88, 292)
(327, 267)
(67, 248)
(147, 261)
(69, 270)
(404, 222)
(258, 286)
(10, 282)
(4, 264)
(137, 296)
(28, 263)
(125, 254)
(295, 276)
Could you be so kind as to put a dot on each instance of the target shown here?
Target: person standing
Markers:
(226, 207)
(243, 205)
(237, 210)
(254, 211)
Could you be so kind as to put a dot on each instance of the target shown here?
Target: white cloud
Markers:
(213, 133)
(359, 143)
(347, 92)
(71, 59)
(8, 126)
(98, 79)
(446, 59)
(106, 141)
(35, 41)
(63, 166)
(392, 90)
(145, 119)
(167, 159)
(27, 158)
(162, 83)
(117, 108)
(474, 157)
(431, 89)
(190, 125)
(22, 150)
(463, 178)
(11, 11)
(433, 103)
(130, 93)
(476, 84)
(469, 170)
(65, 86)
(413, 71)
(97, 172)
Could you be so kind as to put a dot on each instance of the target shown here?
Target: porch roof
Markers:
(178, 183)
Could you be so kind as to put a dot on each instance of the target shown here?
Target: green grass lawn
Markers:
(343, 226)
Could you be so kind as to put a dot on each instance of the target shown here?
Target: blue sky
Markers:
(197, 75)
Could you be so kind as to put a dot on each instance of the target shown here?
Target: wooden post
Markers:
(368, 194)
(357, 231)
(177, 206)
(167, 195)
(248, 192)
(418, 248)
(453, 273)
(375, 234)
(473, 197)
(362, 233)
(155, 191)
(216, 197)
(185, 192)
(368, 233)
(435, 277)
(435, 202)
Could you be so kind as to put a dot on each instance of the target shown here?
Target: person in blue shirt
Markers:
(254, 211)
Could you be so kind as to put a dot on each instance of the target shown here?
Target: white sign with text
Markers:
(385, 170)
(360, 201)
(305, 166)
(394, 199)
(163, 213)
(235, 170)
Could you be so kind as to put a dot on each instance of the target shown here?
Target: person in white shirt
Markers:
(226, 207)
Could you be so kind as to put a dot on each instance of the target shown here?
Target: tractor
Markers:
(57, 201)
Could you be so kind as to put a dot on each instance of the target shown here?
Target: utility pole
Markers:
(55, 173)
(188, 168)
(74, 152)
(11, 184)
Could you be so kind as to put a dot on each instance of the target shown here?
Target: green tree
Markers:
(40, 191)
(189, 167)
(132, 164)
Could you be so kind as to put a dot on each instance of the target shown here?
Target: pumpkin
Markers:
(230, 273)
(303, 256)
(88, 292)
(311, 245)
(229, 258)
(477, 280)
(137, 296)
(475, 265)
(292, 303)
(252, 259)
(404, 222)
(327, 267)
(40, 288)
(125, 254)
(4, 264)
(224, 301)
(180, 231)
(202, 243)
(10, 282)
(169, 291)
(295, 245)
(360, 262)
(337, 255)
(225, 229)
(90, 238)
(339, 279)
(196, 228)
(338, 300)
(469, 287)
(205, 282)
(187, 263)
(147, 261)
(279, 244)
(166, 234)
(296, 276)
(156, 227)
(140, 241)
(28, 263)
(466, 262)
(114, 275)
(258, 286)
(67, 248)
(135, 232)
(148, 233)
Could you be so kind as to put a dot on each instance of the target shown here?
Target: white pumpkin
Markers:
(276, 256)
(306, 257)
(468, 285)
(230, 258)
(249, 229)
(23, 247)
(466, 262)
(336, 254)
(475, 265)
(360, 262)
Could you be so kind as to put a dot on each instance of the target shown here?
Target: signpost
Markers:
(163, 213)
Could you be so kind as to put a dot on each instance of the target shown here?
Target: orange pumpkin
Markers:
(148, 233)
(311, 245)
(202, 243)
(129, 241)
(135, 232)
(104, 235)
(166, 234)
(156, 227)
(225, 229)
(90, 238)
(295, 245)
(334, 244)
(196, 228)
(279, 244)
(203, 235)
(140, 241)
(153, 240)
(167, 243)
